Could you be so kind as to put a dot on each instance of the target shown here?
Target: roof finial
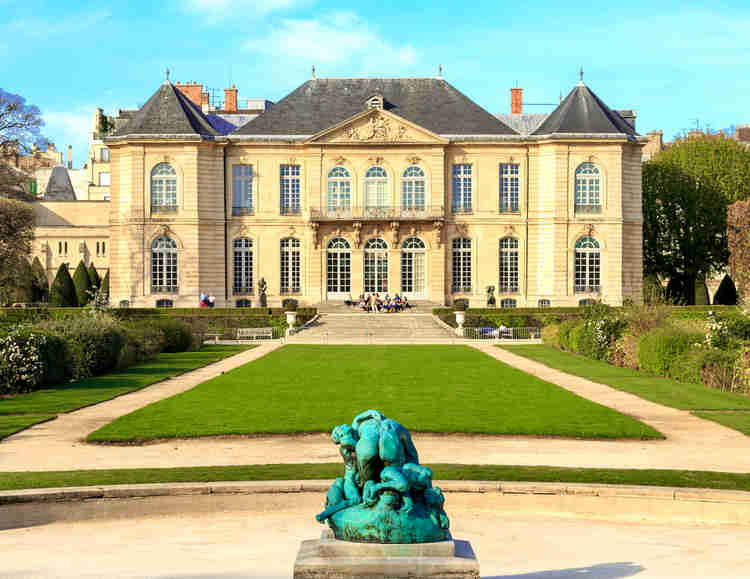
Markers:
(440, 71)
(580, 75)
(166, 80)
(313, 71)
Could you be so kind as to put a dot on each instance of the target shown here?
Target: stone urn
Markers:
(291, 319)
(460, 317)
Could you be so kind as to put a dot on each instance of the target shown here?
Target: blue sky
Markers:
(674, 62)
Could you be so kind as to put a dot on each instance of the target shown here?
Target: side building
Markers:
(350, 186)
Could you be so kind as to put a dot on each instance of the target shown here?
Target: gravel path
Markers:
(692, 443)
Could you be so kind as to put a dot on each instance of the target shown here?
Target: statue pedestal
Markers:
(329, 558)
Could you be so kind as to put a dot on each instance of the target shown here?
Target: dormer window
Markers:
(375, 102)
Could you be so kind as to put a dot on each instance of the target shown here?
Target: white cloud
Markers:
(334, 39)
(217, 10)
(41, 28)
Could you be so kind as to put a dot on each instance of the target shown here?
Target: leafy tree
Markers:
(684, 226)
(82, 284)
(738, 234)
(40, 283)
(16, 235)
(726, 294)
(94, 279)
(105, 284)
(720, 162)
(63, 292)
(20, 126)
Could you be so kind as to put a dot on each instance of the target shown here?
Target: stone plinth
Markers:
(329, 558)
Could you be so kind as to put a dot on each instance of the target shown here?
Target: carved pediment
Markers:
(376, 127)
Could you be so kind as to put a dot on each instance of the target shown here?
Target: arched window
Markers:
(339, 192)
(376, 266)
(412, 191)
(461, 265)
(413, 257)
(376, 192)
(588, 189)
(508, 265)
(338, 269)
(164, 266)
(544, 304)
(587, 266)
(290, 266)
(242, 279)
(507, 303)
(163, 189)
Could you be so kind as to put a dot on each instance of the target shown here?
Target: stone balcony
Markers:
(378, 213)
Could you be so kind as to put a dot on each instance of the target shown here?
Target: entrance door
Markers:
(338, 269)
(413, 275)
(376, 266)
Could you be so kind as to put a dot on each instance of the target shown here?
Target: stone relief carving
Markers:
(315, 225)
(357, 235)
(438, 225)
(395, 225)
(378, 128)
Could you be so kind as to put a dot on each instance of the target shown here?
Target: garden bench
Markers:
(254, 333)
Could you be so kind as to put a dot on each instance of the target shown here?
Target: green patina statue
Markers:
(385, 495)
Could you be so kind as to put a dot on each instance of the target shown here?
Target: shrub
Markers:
(105, 284)
(576, 338)
(662, 348)
(142, 343)
(643, 319)
(726, 294)
(290, 304)
(563, 334)
(624, 352)
(93, 343)
(94, 280)
(461, 304)
(40, 285)
(718, 369)
(62, 293)
(21, 361)
(178, 336)
(550, 335)
(82, 284)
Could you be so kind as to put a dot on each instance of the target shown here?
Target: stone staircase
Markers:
(362, 328)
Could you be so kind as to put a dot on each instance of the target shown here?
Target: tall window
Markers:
(588, 189)
(508, 187)
(376, 266)
(461, 265)
(508, 265)
(462, 188)
(242, 280)
(587, 266)
(376, 192)
(104, 155)
(164, 265)
(242, 189)
(104, 179)
(413, 274)
(290, 266)
(163, 189)
(290, 189)
(412, 190)
(339, 200)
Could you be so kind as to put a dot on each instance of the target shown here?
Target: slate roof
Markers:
(168, 112)
(584, 112)
(523, 124)
(59, 187)
(322, 103)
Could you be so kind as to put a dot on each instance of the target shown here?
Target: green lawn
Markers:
(269, 472)
(680, 395)
(22, 411)
(737, 420)
(427, 388)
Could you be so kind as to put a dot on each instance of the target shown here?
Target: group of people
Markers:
(374, 303)
(207, 300)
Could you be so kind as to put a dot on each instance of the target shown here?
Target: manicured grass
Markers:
(680, 395)
(429, 388)
(737, 420)
(22, 411)
(327, 471)
(12, 423)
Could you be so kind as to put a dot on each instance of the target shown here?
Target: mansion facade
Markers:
(351, 186)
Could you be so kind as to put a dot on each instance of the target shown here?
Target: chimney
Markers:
(192, 91)
(629, 116)
(516, 101)
(70, 156)
(230, 99)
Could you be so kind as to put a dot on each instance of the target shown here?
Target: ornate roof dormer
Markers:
(375, 102)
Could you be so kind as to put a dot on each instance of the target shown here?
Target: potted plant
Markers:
(459, 309)
(290, 309)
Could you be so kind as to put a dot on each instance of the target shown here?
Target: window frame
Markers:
(242, 277)
(339, 191)
(510, 188)
(587, 189)
(243, 189)
(461, 265)
(413, 189)
(509, 279)
(291, 266)
(165, 200)
(462, 175)
(587, 265)
(164, 255)
(290, 189)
